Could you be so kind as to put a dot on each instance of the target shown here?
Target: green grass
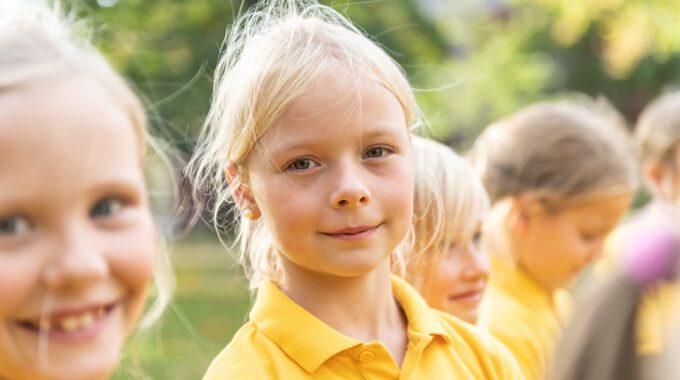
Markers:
(211, 302)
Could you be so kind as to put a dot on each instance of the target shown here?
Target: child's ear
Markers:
(523, 212)
(242, 196)
(655, 172)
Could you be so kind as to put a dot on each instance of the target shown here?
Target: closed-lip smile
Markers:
(473, 295)
(352, 233)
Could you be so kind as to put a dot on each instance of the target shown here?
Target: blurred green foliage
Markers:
(471, 61)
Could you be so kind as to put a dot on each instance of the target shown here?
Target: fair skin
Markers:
(664, 177)
(333, 182)
(76, 235)
(455, 284)
(554, 247)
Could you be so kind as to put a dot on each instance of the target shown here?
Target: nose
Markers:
(350, 190)
(476, 264)
(76, 260)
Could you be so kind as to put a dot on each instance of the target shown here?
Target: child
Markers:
(310, 128)
(445, 264)
(657, 136)
(77, 240)
(559, 178)
(601, 344)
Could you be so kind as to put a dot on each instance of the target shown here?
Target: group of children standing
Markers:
(374, 253)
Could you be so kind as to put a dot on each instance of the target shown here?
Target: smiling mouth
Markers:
(473, 296)
(69, 322)
(352, 233)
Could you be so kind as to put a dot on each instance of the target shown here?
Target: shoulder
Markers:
(494, 358)
(500, 310)
(529, 340)
(241, 358)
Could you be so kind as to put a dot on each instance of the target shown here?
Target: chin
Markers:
(99, 371)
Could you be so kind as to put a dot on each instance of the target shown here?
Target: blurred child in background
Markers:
(310, 133)
(559, 178)
(78, 245)
(602, 343)
(657, 138)
(445, 264)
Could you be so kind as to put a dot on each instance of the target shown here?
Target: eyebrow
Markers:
(372, 133)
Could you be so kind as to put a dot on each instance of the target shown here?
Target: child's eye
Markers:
(376, 152)
(106, 208)
(14, 225)
(302, 164)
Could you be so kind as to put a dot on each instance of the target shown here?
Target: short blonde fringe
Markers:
(271, 55)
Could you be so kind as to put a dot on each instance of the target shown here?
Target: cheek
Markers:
(19, 278)
(132, 256)
(395, 191)
(449, 271)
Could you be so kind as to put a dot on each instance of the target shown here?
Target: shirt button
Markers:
(366, 356)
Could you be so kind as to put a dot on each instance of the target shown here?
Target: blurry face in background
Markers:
(76, 235)
(456, 283)
(554, 247)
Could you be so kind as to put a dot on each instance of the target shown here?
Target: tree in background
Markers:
(472, 61)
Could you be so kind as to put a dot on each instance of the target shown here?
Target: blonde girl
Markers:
(559, 178)
(309, 132)
(445, 264)
(77, 240)
(657, 139)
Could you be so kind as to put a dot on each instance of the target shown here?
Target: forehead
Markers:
(599, 214)
(338, 105)
(66, 127)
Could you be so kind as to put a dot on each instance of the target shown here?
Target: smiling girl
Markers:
(77, 240)
(309, 134)
(446, 265)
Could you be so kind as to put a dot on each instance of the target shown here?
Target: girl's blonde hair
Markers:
(562, 153)
(271, 56)
(39, 42)
(449, 204)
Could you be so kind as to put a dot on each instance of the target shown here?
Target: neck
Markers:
(362, 307)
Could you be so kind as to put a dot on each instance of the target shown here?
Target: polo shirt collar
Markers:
(298, 332)
(421, 318)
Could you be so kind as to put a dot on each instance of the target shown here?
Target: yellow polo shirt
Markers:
(523, 316)
(284, 341)
(658, 308)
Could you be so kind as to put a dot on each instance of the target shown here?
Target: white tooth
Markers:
(86, 320)
(45, 325)
(69, 324)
